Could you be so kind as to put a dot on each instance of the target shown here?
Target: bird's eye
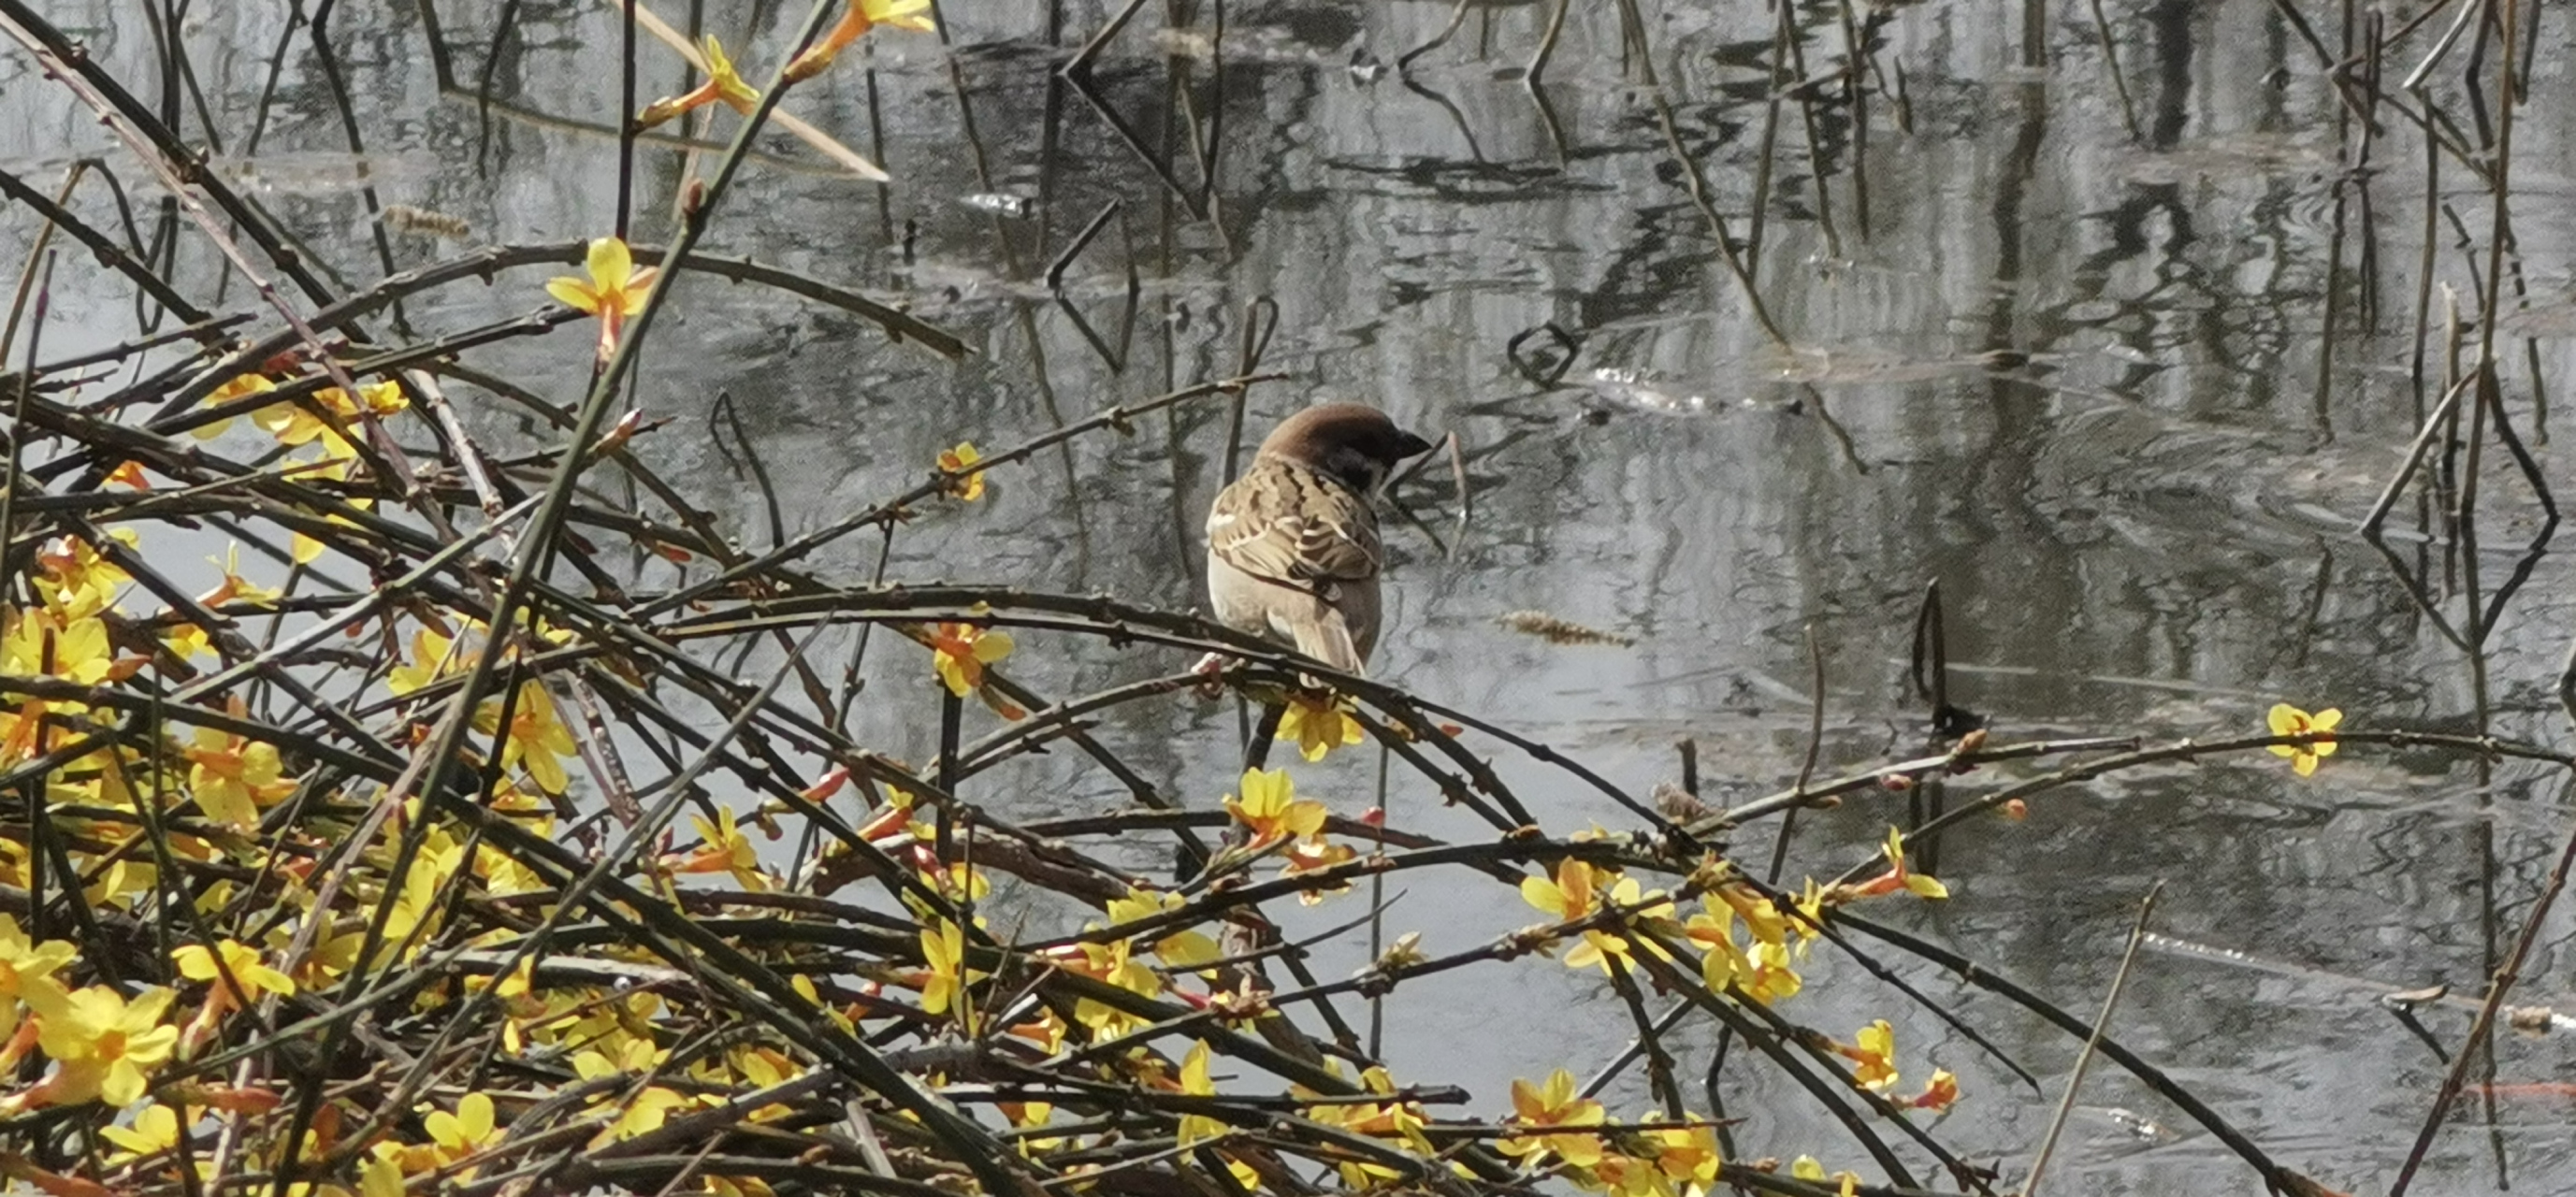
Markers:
(1355, 469)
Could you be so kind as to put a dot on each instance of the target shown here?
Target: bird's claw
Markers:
(1211, 668)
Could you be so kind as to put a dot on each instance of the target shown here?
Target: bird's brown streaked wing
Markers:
(1286, 524)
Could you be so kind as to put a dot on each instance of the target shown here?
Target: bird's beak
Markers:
(1408, 445)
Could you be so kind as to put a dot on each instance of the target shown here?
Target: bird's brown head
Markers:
(1352, 443)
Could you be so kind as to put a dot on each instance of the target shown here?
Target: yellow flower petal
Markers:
(902, 14)
(1717, 968)
(639, 286)
(1542, 893)
(992, 646)
(609, 263)
(573, 293)
(1527, 1102)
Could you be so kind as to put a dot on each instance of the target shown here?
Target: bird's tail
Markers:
(1329, 641)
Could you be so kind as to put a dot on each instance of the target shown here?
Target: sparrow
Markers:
(1292, 545)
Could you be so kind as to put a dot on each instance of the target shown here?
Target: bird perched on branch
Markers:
(1293, 550)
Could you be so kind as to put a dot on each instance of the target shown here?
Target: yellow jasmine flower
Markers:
(1897, 876)
(1576, 894)
(615, 290)
(965, 481)
(723, 83)
(2287, 720)
(943, 950)
(960, 651)
(197, 962)
(647, 1112)
(1686, 1155)
(1180, 949)
(1807, 1168)
(1314, 854)
(247, 384)
(1552, 1112)
(722, 848)
(155, 1130)
(75, 579)
(537, 738)
(1873, 1057)
(1771, 979)
(1195, 1083)
(233, 777)
(294, 424)
(429, 656)
(1271, 810)
(1938, 1093)
(466, 1132)
(235, 588)
(856, 20)
(1319, 724)
(103, 1045)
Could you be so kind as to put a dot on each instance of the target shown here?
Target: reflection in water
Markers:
(2140, 515)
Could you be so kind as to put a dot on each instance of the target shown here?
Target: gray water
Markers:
(2078, 377)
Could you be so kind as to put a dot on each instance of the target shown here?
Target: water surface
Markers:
(2123, 395)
